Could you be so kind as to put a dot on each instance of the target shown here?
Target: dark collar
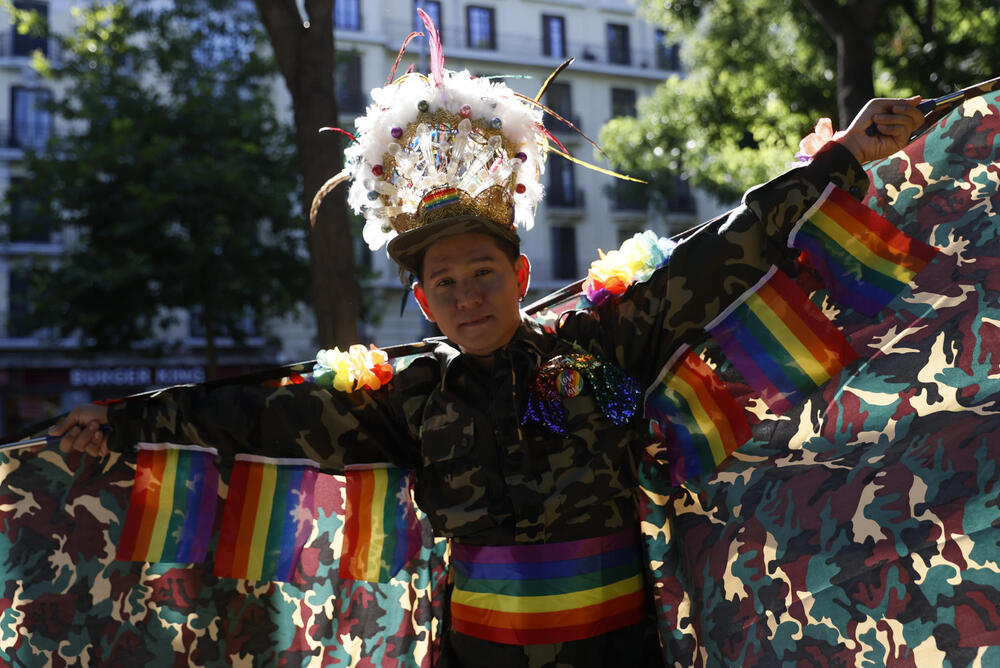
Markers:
(530, 339)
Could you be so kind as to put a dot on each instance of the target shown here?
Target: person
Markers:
(524, 434)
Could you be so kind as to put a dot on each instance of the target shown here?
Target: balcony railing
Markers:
(628, 203)
(680, 203)
(533, 46)
(24, 136)
(565, 199)
(23, 46)
(555, 125)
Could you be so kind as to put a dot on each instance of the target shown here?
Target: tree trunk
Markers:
(304, 52)
(852, 27)
(855, 72)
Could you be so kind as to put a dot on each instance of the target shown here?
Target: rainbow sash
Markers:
(172, 507)
(550, 592)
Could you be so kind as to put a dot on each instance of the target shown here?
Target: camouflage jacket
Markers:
(483, 476)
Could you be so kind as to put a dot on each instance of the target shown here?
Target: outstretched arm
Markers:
(81, 429)
(335, 429)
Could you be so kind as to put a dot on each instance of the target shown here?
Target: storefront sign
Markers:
(132, 376)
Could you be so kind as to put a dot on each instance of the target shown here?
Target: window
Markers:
(30, 119)
(29, 219)
(668, 56)
(433, 9)
(629, 196)
(347, 79)
(622, 102)
(679, 198)
(562, 190)
(25, 45)
(481, 29)
(347, 14)
(564, 252)
(619, 51)
(553, 36)
(19, 312)
(558, 98)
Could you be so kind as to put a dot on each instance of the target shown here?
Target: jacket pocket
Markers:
(453, 487)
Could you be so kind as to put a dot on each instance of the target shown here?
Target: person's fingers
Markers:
(79, 437)
(891, 124)
(96, 449)
(68, 442)
(91, 439)
(60, 427)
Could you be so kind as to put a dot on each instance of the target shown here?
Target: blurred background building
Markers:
(619, 58)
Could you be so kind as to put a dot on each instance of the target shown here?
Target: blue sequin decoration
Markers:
(616, 392)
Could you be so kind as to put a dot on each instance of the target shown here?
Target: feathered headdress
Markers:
(432, 152)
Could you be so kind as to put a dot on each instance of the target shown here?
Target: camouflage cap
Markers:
(408, 248)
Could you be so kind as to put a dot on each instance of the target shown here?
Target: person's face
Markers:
(470, 288)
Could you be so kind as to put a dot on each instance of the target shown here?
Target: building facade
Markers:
(618, 59)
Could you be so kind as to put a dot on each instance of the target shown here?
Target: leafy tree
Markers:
(174, 182)
(304, 50)
(761, 72)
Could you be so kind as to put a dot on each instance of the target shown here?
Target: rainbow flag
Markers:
(700, 422)
(780, 341)
(864, 259)
(268, 516)
(172, 508)
(548, 592)
(381, 529)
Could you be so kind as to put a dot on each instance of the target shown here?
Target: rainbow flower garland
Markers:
(357, 368)
(613, 273)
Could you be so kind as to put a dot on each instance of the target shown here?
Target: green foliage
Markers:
(175, 183)
(760, 73)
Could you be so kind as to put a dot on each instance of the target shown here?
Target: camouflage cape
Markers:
(862, 528)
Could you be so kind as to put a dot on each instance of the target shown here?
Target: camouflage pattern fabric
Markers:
(864, 527)
(861, 529)
(66, 602)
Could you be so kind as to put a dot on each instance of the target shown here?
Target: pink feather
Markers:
(437, 55)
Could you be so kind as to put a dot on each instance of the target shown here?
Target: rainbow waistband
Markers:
(548, 593)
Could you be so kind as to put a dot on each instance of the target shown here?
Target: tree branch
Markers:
(827, 14)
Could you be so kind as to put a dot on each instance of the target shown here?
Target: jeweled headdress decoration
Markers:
(428, 150)
(445, 146)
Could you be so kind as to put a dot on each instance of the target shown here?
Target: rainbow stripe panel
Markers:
(440, 198)
(864, 259)
(172, 509)
(550, 592)
(381, 529)
(780, 341)
(700, 422)
(268, 516)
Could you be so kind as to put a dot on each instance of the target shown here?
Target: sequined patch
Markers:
(565, 376)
